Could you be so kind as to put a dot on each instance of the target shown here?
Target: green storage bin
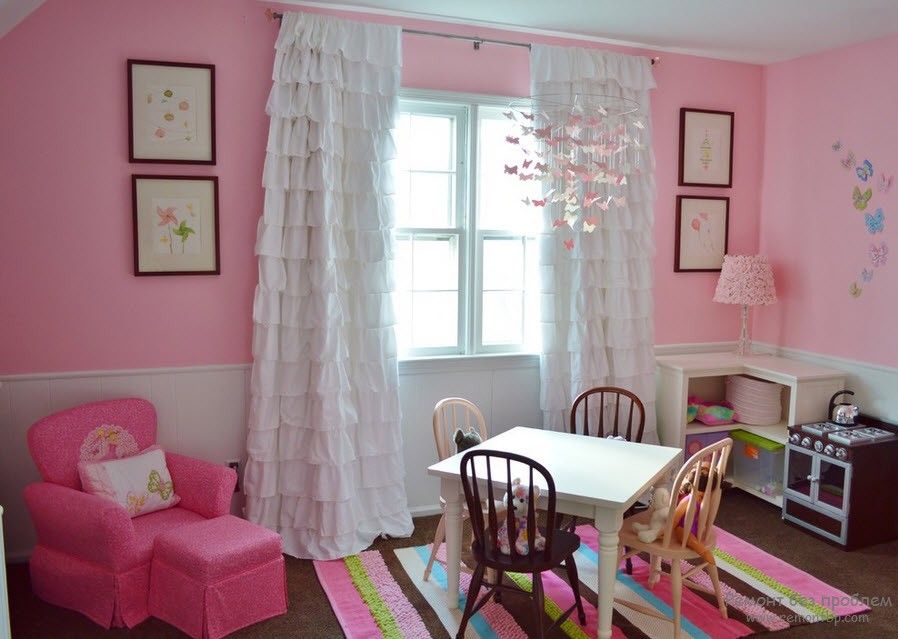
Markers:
(758, 462)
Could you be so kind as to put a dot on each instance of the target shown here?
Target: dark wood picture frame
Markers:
(132, 157)
(682, 180)
(135, 179)
(680, 268)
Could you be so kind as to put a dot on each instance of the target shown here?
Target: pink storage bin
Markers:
(696, 442)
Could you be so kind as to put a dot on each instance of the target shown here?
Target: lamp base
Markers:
(744, 345)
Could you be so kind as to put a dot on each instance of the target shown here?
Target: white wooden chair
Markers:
(450, 414)
(700, 514)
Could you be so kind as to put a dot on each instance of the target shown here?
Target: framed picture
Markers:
(171, 112)
(702, 233)
(175, 225)
(706, 148)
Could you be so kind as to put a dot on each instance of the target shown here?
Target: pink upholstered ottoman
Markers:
(217, 576)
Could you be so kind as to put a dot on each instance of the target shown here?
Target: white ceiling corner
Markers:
(12, 12)
(754, 31)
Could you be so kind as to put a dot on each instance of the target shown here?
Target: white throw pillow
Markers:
(140, 484)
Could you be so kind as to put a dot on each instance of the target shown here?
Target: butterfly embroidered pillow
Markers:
(140, 484)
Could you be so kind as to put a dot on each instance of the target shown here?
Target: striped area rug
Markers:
(377, 594)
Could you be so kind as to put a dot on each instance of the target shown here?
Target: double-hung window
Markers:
(467, 263)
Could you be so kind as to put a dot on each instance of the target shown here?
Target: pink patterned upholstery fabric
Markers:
(217, 576)
(91, 556)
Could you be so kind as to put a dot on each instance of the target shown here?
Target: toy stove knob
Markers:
(829, 450)
(841, 453)
(818, 446)
(795, 438)
(806, 442)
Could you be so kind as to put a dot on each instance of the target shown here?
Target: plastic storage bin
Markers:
(697, 441)
(758, 462)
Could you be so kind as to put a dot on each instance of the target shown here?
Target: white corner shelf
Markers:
(776, 432)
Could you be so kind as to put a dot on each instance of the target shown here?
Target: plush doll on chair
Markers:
(519, 499)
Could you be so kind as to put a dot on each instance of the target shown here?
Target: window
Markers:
(467, 263)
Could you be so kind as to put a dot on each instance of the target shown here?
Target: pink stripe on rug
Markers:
(407, 618)
(801, 582)
(559, 591)
(353, 614)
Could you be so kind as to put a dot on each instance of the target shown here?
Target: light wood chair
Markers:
(610, 416)
(699, 516)
(448, 415)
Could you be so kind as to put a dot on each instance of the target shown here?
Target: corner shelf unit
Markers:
(805, 396)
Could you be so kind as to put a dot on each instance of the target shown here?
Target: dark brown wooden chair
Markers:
(477, 469)
(610, 416)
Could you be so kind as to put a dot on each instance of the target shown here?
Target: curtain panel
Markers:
(596, 300)
(325, 465)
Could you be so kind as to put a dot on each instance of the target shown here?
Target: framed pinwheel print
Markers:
(175, 225)
(171, 112)
(706, 148)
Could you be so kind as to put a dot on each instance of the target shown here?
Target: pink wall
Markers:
(68, 300)
(816, 239)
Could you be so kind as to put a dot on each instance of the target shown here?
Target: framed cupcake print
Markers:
(175, 225)
(706, 148)
(171, 112)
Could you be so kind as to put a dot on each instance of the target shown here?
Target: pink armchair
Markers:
(90, 555)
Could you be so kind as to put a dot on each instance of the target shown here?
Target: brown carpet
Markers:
(869, 572)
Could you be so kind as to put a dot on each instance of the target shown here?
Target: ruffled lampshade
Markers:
(745, 280)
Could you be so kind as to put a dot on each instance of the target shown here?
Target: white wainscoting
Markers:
(202, 411)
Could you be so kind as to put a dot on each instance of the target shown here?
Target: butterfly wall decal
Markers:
(837, 145)
(156, 485)
(861, 198)
(854, 290)
(866, 275)
(849, 161)
(879, 254)
(864, 171)
(875, 222)
(885, 182)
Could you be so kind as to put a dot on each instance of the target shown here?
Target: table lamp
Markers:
(745, 280)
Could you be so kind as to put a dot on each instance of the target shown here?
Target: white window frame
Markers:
(465, 108)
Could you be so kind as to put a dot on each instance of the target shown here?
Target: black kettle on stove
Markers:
(843, 413)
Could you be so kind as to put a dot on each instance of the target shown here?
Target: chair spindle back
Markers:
(451, 413)
(632, 409)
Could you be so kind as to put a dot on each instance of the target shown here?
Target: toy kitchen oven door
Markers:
(840, 481)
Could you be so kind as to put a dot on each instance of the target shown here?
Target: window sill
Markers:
(466, 363)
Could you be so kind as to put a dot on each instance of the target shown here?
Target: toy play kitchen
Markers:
(835, 476)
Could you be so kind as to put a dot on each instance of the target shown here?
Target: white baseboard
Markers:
(425, 511)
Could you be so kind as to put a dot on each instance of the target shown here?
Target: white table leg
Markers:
(451, 492)
(608, 524)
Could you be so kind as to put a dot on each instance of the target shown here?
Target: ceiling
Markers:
(758, 31)
(12, 12)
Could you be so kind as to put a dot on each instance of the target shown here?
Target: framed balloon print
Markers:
(702, 233)
(171, 112)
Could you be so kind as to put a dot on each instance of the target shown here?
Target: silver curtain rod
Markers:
(477, 40)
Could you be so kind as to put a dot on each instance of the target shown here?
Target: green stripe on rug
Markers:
(368, 591)
(822, 613)
(553, 610)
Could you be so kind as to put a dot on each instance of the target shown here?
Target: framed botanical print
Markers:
(171, 112)
(706, 148)
(702, 233)
(175, 225)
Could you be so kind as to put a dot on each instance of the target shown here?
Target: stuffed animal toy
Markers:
(659, 507)
(519, 500)
(464, 441)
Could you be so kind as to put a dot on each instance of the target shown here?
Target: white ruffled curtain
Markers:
(597, 324)
(325, 465)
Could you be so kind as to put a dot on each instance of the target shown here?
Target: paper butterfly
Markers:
(513, 140)
(849, 161)
(879, 254)
(526, 130)
(526, 201)
(557, 223)
(539, 202)
(837, 145)
(569, 245)
(639, 125)
(542, 133)
(866, 275)
(861, 199)
(513, 170)
(539, 166)
(508, 114)
(864, 171)
(604, 205)
(875, 223)
(885, 182)
(589, 224)
(526, 163)
(855, 290)
(590, 198)
(156, 485)
(525, 176)
(526, 116)
(570, 218)
(620, 201)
